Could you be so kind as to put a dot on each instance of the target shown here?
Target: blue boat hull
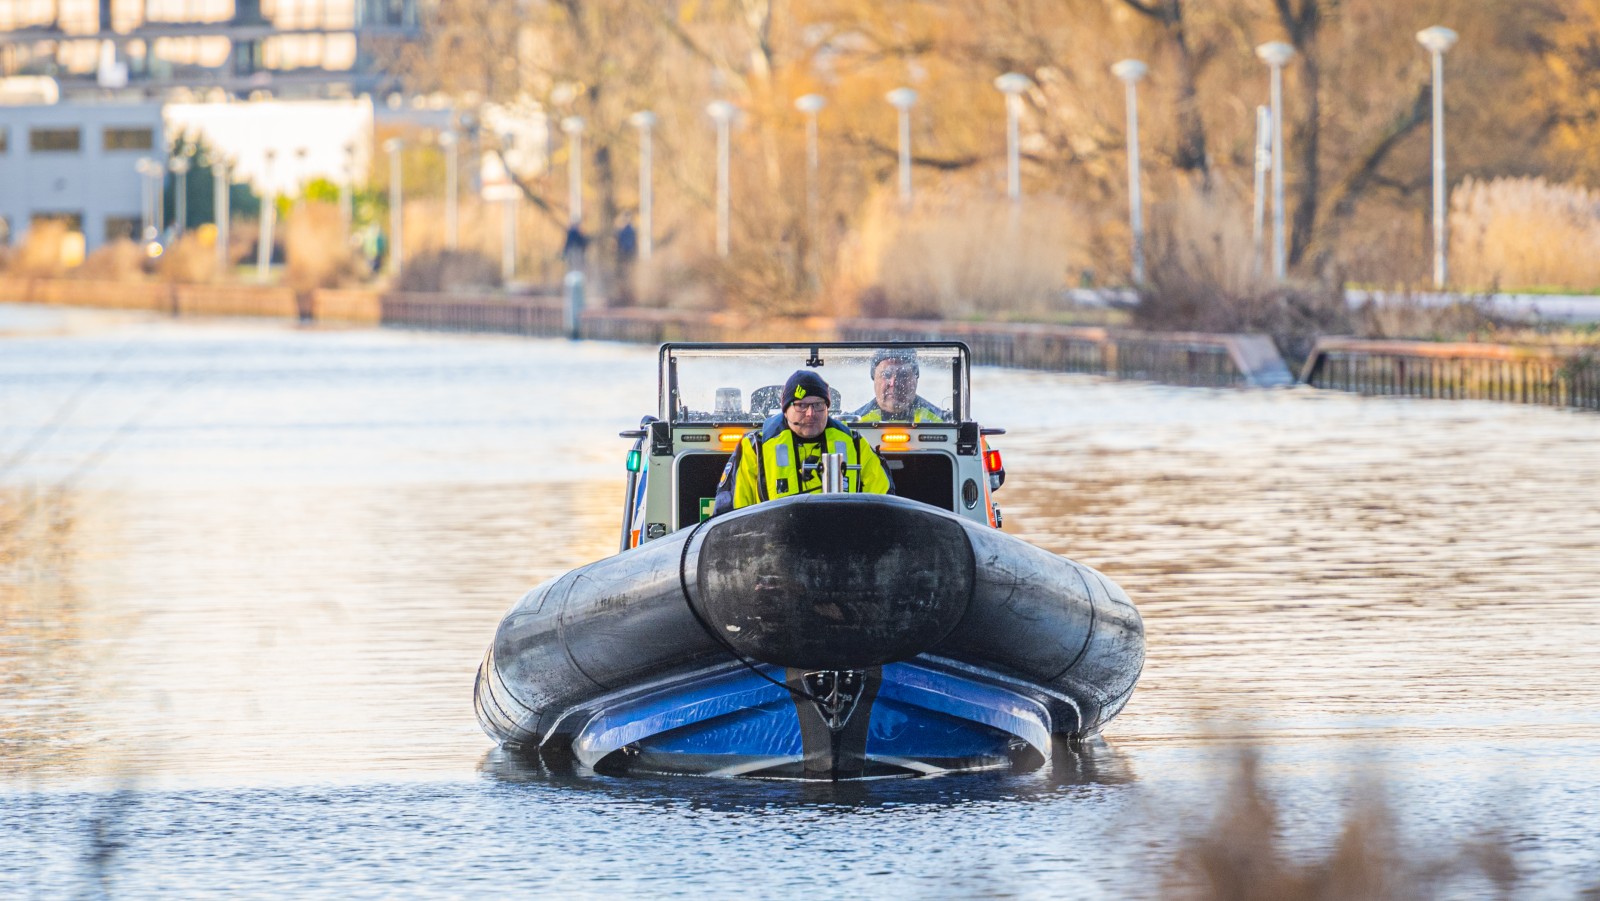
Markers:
(761, 643)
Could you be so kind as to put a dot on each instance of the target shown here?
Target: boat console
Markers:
(712, 394)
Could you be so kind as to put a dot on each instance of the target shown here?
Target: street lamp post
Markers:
(903, 99)
(219, 211)
(508, 217)
(180, 193)
(347, 189)
(1437, 40)
(396, 210)
(1276, 54)
(1258, 220)
(1130, 71)
(573, 126)
(1012, 84)
(268, 218)
(447, 140)
(722, 112)
(644, 120)
(811, 105)
(144, 167)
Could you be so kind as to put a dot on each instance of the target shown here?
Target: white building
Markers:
(77, 162)
(240, 48)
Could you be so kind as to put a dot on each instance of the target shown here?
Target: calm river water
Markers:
(248, 570)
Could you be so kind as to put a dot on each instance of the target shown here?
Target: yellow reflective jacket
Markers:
(767, 462)
(921, 411)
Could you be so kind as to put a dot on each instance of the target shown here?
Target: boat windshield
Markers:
(743, 383)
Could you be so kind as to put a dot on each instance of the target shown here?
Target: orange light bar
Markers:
(896, 438)
(991, 461)
(729, 437)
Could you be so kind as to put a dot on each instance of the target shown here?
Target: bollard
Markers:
(574, 307)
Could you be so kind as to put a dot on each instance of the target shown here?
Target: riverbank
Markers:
(1549, 375)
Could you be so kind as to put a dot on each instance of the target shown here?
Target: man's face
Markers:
(894, 383)
(807, 418)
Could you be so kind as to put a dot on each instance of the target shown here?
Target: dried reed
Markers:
(1241, 856)
(952, 256)
(1524, 233)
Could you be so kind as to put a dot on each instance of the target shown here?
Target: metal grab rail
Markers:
(1552, 376)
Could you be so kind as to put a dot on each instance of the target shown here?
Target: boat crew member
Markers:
(772, 461)
(894, 389)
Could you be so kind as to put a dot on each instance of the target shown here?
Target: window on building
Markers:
(120, 228)
(5, 139)
(54, 140)
(73, 221)
(129, 138)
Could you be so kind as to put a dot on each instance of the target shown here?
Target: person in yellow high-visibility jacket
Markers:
(894, 390)
(770, 462)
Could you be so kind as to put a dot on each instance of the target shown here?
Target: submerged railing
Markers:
(1176, 358)
(1554, 376)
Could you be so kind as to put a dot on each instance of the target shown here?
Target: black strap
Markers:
(718, 637)
(761, 467)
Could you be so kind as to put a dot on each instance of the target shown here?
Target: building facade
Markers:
(236, 48)
(79, 164)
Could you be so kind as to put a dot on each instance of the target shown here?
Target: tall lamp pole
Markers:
(1437, 40)
(347, 190)
(573, 126)
(180, 193)
(1276, 54)
(903, 99)
(1130, 71)
(396, 203)
(269, 217)
(220, 212)
(1012, 84)
(1258, 221)
(448, 140)
(644, 120)
(508, 216)
(811, 105)
(144, 167)
(721, 112)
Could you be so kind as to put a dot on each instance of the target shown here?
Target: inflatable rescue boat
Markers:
(830, 635)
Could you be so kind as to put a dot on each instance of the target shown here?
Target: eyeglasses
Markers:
(812, 407)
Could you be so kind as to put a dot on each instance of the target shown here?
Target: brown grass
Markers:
(1524, 233)
(1202, 277)
(1406, 317)
(40, 253)
(958, 257)
(317, 250)
(1241, 855)
(119, 260)
(446, 270)
(480, 231)
(191, 260)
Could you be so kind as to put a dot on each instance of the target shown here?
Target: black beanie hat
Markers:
(804, 383)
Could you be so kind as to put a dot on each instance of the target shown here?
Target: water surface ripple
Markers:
(247, 572)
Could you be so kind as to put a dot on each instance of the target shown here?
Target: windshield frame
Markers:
(813, 354)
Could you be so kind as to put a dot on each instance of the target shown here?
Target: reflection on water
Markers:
(252, 571)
